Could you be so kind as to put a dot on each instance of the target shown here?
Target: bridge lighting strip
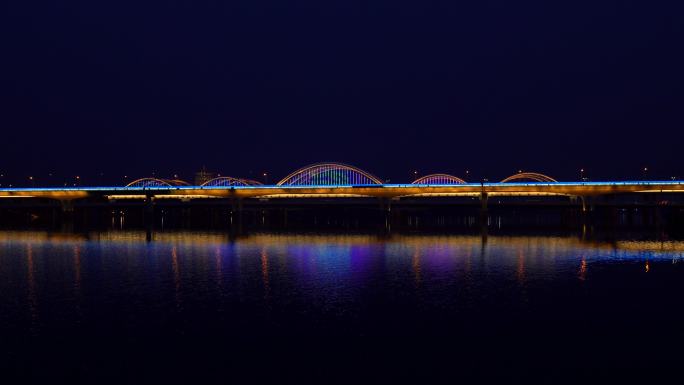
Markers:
(314, 195)
(490, 194)
(409, 185)
(658, 191)
(163, 196)
(114, 197)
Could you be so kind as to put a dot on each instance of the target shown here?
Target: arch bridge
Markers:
(528, 177)
(439, 179)
(227, 181)
(157, 182)
(326, 174)
(333, 180)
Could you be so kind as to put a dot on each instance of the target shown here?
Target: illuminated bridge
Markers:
(339, 180)
(346, 185)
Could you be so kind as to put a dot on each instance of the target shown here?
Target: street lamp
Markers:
(581, 174)
(645, 171)
(265, 175)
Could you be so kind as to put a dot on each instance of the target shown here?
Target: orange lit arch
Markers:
(529, 176)
(156, 182)
(227, 181)
(177, 182)
(439, 179)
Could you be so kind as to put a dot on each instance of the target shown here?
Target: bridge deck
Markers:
(380, 191)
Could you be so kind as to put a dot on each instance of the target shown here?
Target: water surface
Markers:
(113, 307)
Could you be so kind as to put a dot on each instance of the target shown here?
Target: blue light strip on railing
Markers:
(406, 185)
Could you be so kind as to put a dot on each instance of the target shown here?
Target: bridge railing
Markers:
(400, 185)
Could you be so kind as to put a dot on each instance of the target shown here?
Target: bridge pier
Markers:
(236, 215)
(583, 204)
(66, 219)
(484, 211)
(584, 210)
(660, 215)
(186, 217)
(386, 210)
(148, 216)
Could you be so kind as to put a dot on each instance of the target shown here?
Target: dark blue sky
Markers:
(389, 86)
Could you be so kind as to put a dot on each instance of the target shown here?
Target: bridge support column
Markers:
(66, 214)
(148, 217)
(236, 215)
(484, 211)
(586, 215)
(386, 210)
(186, 217)
(660, 217)
(585, 209)
(583, 202)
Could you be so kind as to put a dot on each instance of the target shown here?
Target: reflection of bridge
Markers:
(270, 240)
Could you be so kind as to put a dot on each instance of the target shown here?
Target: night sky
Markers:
(244, 87)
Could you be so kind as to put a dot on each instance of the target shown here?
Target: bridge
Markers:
(333, 180)
(578, 189)
(339, 184)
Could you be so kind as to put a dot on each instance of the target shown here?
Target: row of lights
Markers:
(125, 177)
(582, 171)
(77, 178)
(32, 180)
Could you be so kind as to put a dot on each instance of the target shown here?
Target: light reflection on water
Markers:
(326, 270)
(71, 289)
(313, 255)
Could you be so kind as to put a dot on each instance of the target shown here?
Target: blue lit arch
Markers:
(156, 182)
(329, 174)
(227, 181)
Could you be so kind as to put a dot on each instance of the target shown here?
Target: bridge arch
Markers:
(227, 181)
(177, 182)
(439, 179)
(529, 176)
(329, 174)
(156, 182)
